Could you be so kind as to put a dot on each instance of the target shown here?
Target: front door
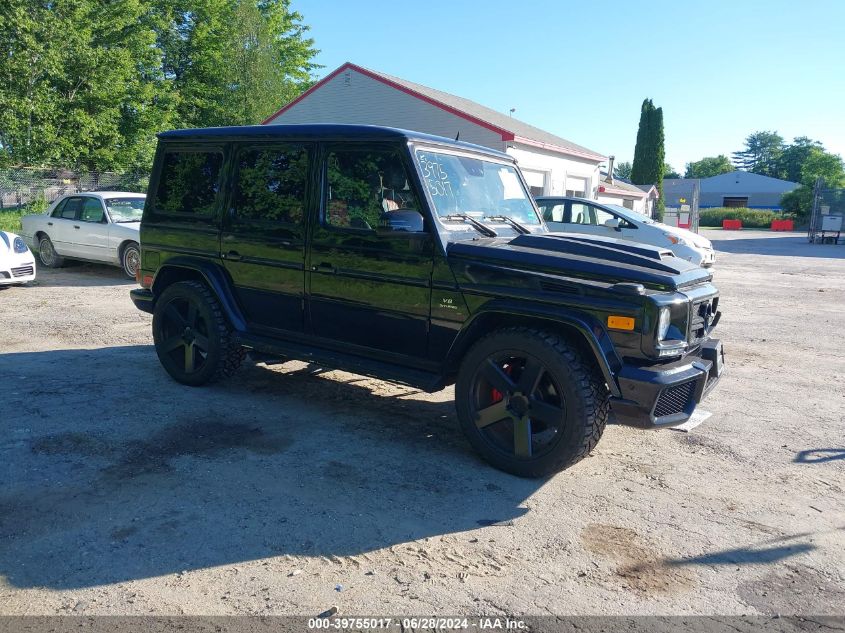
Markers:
(263, 237)
(63, 226)
(370, 276)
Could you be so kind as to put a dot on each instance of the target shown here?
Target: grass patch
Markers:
(11, 220)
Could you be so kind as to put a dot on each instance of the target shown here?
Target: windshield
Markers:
(125, 209)
(630, 214)
(475, 187)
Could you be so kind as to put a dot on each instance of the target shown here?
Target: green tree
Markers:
(81, 83)
(792, 159)
(649, 153)
(669, 172)
(761, 154)
(234, 61)
(622, 170)
(709, 166)
(818, 163)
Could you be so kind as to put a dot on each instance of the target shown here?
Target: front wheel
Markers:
(131, 259)
(47, 253)
(529, 403)
(193, 340)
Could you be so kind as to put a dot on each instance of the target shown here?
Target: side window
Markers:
(92, 210)
(603, 216)
(70, 211)
(271, 184)
(365, 188)
(553, 212)
(581, 213)
(57, 212)
(188, 183)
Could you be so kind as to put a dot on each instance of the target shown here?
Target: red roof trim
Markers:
(558, 148)
(289, 105)
(506, 136)
(604, 188)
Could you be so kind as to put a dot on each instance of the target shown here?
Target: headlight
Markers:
(675, 239)
(20, 245)
(663, 323)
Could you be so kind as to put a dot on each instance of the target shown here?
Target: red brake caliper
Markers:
(495, 394)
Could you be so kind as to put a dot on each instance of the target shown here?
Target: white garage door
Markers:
(536, 181)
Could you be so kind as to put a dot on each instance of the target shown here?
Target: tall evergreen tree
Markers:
(649, 152)
(761, 154)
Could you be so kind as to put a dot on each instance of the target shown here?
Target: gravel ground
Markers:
(287, 490)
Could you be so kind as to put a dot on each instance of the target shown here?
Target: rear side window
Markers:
(271, 184)
(188, 183)
(71, 208)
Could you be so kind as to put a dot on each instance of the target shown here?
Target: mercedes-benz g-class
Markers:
(421, 260)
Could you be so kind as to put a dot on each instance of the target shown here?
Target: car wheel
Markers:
(529, 403)
(47, 254)
(131, 259)
(193, 340)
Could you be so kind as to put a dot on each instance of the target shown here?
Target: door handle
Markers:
(76, 226)
(324, 267)
(233, 256)
(49, 224)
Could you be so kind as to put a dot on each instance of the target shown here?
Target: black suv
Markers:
(420, 260)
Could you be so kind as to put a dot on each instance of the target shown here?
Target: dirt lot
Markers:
(287, 491)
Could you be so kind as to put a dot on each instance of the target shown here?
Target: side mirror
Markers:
(402, 220)
(613, 223)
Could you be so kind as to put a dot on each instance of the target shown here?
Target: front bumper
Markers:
(661, 396)
(17, 268)
(143, 299)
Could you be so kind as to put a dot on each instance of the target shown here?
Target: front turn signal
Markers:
(620, 323)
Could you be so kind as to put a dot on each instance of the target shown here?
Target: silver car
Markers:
(100, 226)
(578, 215)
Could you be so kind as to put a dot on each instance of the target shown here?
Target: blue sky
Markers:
(719, 69)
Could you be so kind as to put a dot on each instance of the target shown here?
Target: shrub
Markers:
(751, 218)
(11, 220)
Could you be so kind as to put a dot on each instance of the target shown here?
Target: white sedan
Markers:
(17, 265)
(102, 226)
(578, 215)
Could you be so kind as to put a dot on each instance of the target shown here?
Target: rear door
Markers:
(370, 284)
(263, 236)
(92, 236)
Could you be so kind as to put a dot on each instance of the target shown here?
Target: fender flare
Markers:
(214, 275)
(594, 335)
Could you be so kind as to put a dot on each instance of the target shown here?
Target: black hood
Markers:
(584, 256)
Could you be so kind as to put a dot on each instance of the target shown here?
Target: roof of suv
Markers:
(324, 130)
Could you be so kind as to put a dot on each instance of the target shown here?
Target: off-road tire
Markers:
(223, 356)
(584, 402)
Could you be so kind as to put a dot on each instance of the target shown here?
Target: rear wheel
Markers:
(47, 254)
(529, 403)
(193, 340)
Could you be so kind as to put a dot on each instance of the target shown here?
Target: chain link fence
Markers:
(24, 186)
(827, 221)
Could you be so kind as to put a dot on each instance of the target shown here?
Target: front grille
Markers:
(23, 271)
(674, 399)
(701, 317)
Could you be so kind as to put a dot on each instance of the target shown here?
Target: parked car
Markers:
(17, 265)
(578, 215)
(100, 226)
(421, 260)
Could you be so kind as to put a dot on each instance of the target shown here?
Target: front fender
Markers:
(214, 275)
(594, 335)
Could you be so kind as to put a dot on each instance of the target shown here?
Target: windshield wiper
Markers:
(478, 226)
(519, 228)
